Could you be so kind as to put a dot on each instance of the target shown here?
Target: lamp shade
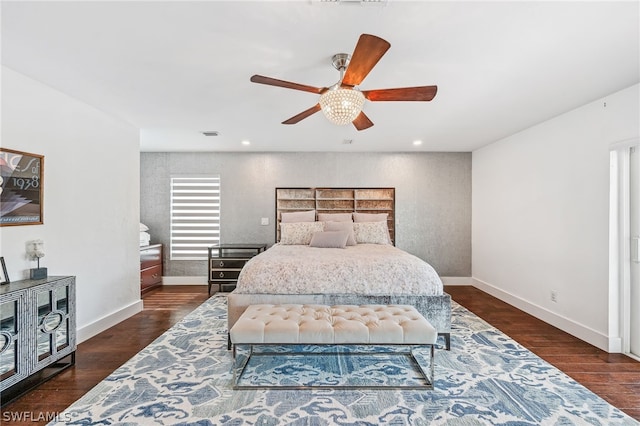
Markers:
(341, 106)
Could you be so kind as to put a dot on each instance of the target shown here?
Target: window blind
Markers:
(195, 216)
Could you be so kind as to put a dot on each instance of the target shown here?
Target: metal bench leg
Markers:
(432, 361)
(237, 376)
(447, 340)
(428, 374)
(429, 378)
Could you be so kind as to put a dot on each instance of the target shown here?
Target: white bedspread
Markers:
(370, 269)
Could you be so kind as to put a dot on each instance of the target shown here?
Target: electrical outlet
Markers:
(554, 296)
(264, 221)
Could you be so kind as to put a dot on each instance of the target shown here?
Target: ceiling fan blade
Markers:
(422, 93)
(286, 84)
(362, 121)
(366, 55)
(303, 115)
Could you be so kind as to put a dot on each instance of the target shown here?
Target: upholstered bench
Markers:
(340, 325)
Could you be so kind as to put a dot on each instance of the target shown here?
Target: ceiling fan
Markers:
(342, 102)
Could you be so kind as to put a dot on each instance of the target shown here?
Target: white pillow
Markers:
(342, 226)
(298, 233)
(290, 217)
(334, 217)
(329, 239)
(371, 233)
(370, 217)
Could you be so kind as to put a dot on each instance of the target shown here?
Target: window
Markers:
(195, 216)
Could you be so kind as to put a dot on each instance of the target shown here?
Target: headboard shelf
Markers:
(337, 200)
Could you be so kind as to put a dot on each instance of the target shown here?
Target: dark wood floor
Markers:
(614, 377)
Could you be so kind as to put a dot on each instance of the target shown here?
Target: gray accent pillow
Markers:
(291, 217)
(334, 217)
(342, 226)
(329, 239)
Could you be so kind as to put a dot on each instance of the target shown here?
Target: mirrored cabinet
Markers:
(11, 338)
(37, 332)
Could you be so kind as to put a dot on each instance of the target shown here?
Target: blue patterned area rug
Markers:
(185, 378)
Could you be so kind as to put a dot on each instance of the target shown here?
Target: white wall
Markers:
(540, 215)
(91, 199)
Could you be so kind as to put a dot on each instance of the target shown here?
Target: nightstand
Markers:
(227, 260)
(150, 267)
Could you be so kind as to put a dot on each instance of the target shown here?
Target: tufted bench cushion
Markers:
(340, 324)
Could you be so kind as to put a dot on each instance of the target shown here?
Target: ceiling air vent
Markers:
(211, 133)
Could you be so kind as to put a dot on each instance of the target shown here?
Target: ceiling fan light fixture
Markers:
(341, 106)
(342, 103)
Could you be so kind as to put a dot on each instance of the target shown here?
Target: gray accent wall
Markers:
(433, 197)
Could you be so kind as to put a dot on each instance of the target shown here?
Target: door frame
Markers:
(620, 247)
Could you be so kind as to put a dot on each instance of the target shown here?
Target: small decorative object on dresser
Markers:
(226, 262)
(150, 267)
(35, 250)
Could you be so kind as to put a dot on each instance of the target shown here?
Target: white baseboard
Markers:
(457, 280)
(98, 326)
(184, 280)
(633, 356)
(615, 345)
(580, 331)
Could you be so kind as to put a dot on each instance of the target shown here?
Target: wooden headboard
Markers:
(337, 200)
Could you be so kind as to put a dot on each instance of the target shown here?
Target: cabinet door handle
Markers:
(221, 274)
(221, 264)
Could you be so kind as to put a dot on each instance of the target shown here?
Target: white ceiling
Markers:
(174, 69)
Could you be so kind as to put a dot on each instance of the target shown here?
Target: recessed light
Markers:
(245, 143)
(417, 143)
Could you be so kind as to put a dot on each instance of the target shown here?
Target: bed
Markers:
(369, 272)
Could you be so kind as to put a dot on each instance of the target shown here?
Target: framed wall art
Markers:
(21, 186)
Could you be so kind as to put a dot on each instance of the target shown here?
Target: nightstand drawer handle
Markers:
(221, 274)
(221, 263)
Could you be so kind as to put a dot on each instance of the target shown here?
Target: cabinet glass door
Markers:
(53, 321)
(44, 338)
(61, 299)
(8, 339)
